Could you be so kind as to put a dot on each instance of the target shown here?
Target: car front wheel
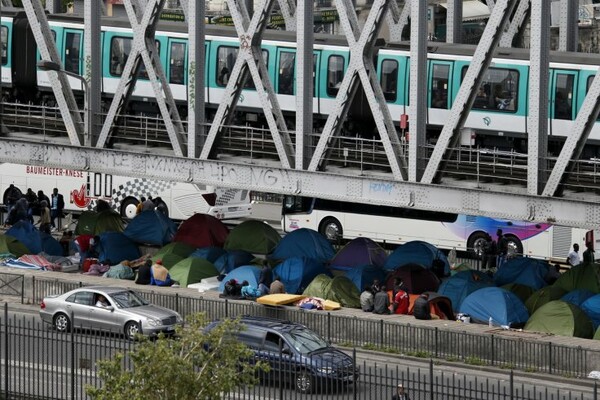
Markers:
(132, 329)
(61, 323)
(304, 382)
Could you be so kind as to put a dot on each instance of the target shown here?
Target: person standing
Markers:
(58, 205)
(486, 246)
(573, 258)
(44, 217)
(12, 195)
(502, 248)
(31, 203)
(588, 254)
(401, 394)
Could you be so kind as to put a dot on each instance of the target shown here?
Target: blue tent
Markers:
(211, 254)
(151, 227)
(577, 296)
(116, 247)
(524, 270)
(365, 275)
(304, 242)
(502, 306)
(232, 259)
(296, 273)
(249, 273)
(26, 233)
(50, 245)
(591, 308)
(359, 251)
(416, 252)
(462, 284)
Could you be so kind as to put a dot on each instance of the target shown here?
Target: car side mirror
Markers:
(110, 308)
(286, 349)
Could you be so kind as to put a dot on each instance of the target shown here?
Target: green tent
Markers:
(9, 244)
(597, 334)
(561, 318)
(254, 237)
(169, 260)
(95, 223)
(523, 292)
(582, 276)
(318, 287)
(344, 291)
(192, 270)
(179, 249)
(543, 296)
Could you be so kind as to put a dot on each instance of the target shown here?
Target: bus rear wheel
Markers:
(129, 207)
(331, 228)
(515, 247)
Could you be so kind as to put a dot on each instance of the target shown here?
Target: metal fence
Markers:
(40, 363)
(381, 335)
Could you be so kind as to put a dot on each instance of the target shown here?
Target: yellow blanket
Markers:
(279, 299)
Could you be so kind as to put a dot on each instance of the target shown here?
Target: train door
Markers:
(285, 78)
(439, 96)
(177, 67)
(562, 101)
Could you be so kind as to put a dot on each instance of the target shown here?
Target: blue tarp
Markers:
(526, 271)
(27, 234)
(591, 308)
(359, 251)
(232, 259)
(462, 284)
(248, 273)
(50, 245)
(577, 296)
(416, 252)
(304, 243)
(151, 227)
(365, 275)
(211, 254)
(296, 273)
(117, 247)
(504, 307)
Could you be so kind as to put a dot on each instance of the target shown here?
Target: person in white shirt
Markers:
(102, 302)
(574, 258)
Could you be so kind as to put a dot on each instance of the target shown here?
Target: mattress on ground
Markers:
(329, 305)
(279, 299)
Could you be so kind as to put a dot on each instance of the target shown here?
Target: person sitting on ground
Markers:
(120, 271)
(366, 299)
(99, 268)
(381, 302)
(249, 292)
(276, 286)
(401, 302)
(159, 275)
(265, 279)
(232, 288)
(102, 302)
(376, 286)
(143, 274)
(421, 309)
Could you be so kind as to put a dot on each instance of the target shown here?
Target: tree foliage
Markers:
(195, 365)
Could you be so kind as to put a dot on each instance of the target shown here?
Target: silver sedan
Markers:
(108, 309)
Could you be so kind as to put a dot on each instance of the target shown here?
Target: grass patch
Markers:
(507, 366)
(419, 354)
(475, 361)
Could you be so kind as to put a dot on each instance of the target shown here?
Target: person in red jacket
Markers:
(401, 302)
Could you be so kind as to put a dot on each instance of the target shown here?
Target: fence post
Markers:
(354, 377)
(381, 333)
(512, 384)
(226, 308)
(329, 327)
(177, 302)
(22, 289)
(595, 390)
(437, 340)
(6, 357)
(34, 294)
(549, 357)
(72, 336)
(492, 354)
(432, 397)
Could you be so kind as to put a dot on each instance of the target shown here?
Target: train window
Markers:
(226, 57)
(177, 63)
(439, 86)
(563, 97)
(335, 74)
(389, 79)
(499, 90)
(120, 49)
(4, 33)
(285, 83)
(72, 52)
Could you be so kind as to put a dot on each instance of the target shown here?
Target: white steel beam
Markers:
(304, 82)
(516, 24)
(397, 20)
(573, 146)
(194, 12)
(250, 59)
(361, 70)
(569, 25)
(466, 95)
(491, 4)
(454, 17)
(275, 179)
(92, 65)
(417, 112)
(143, 19)
(287, 8)
(58, 80)
(537, 119)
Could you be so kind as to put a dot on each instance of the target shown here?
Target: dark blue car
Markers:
(296, 354)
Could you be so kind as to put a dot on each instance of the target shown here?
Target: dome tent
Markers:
(417, 252)
(416, 279)
(560, 318)
(365, 275)
(150, 227)
(359, 251)
(192, 270)
(250, 273)
(202, 230)
(296, 273)
(582, 276)
(503, 307)
(543, 296)
(577, 296)
(306, 243)
(253, 236)
(524, 270)
(462, 284)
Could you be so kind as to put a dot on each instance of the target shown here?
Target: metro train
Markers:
(498, 116)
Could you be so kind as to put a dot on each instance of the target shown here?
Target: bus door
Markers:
(562, 101)
(177, 67)
(439, 96)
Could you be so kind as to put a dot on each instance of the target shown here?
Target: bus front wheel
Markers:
(129, 207)
(331, 229)
(475, 244)
(515, 247)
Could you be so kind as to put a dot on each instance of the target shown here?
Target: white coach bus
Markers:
(82, 189)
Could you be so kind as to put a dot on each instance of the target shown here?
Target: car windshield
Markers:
(304, 340)
(128, 299)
